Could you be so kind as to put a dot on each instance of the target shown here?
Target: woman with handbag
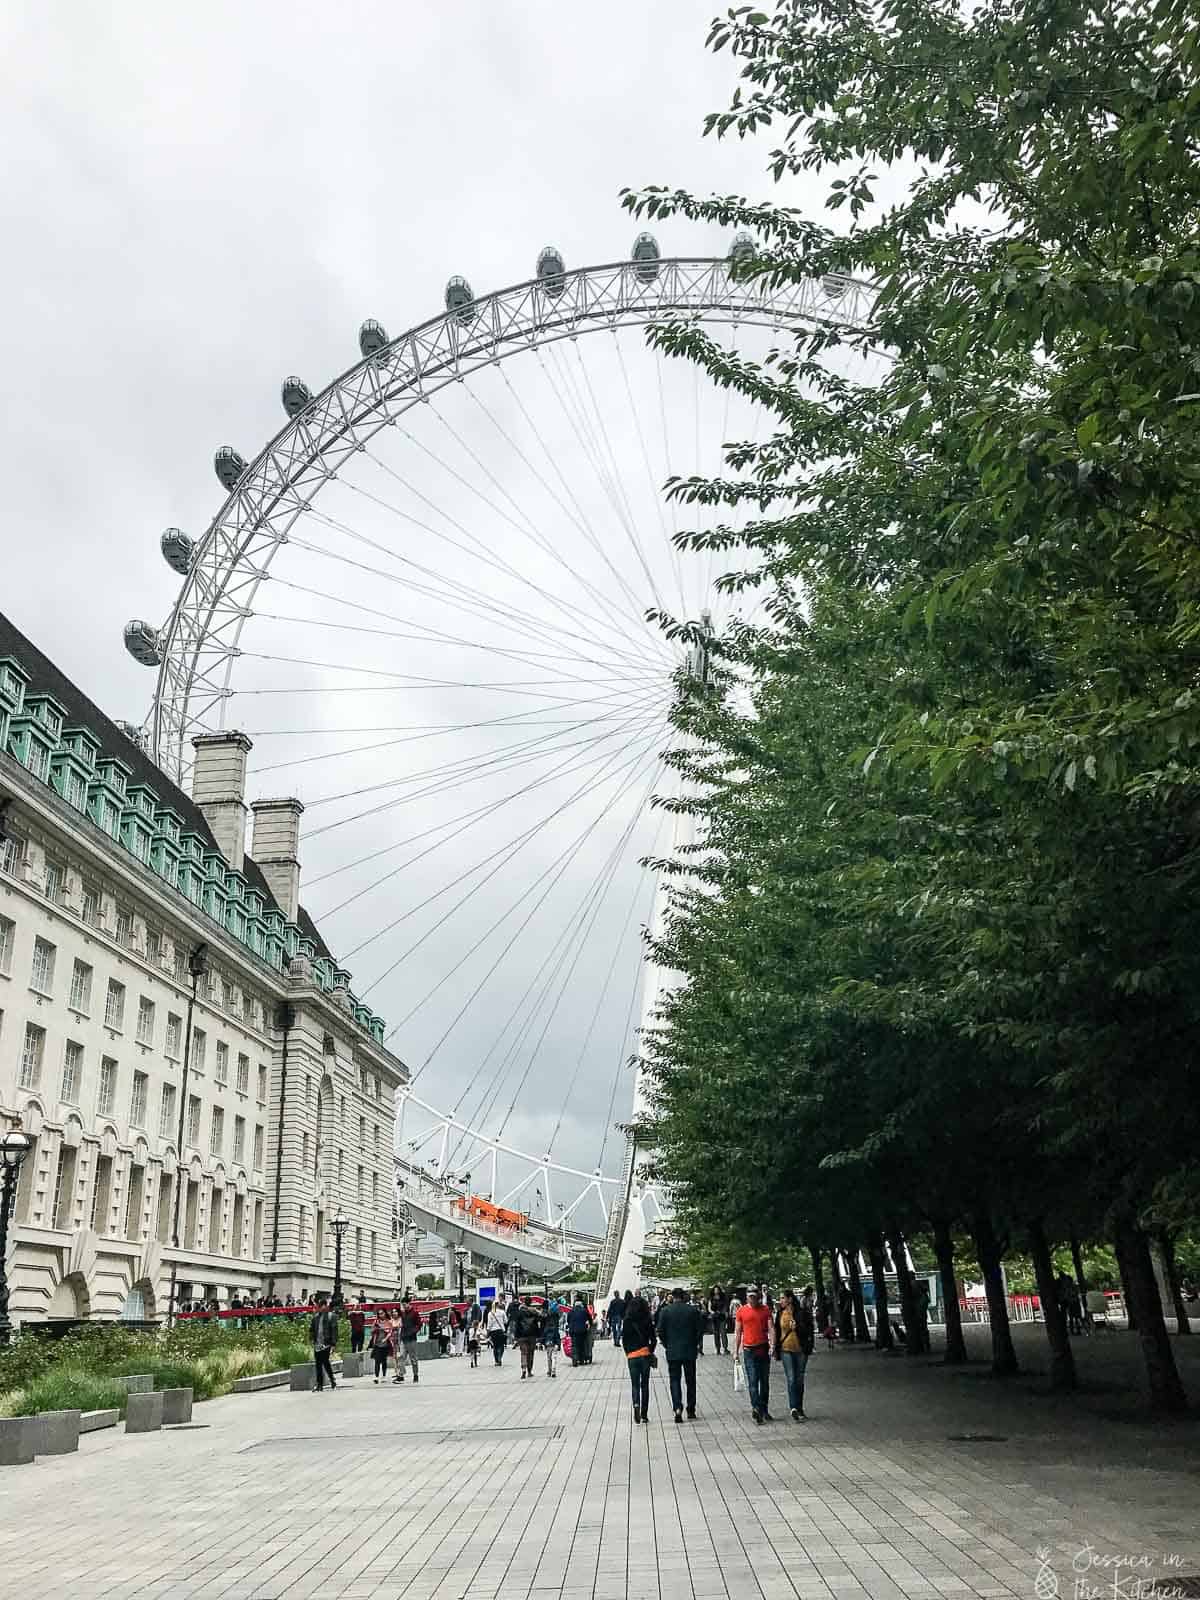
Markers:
(638, 1339)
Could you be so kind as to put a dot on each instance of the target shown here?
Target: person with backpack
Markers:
(527, 1325)
(639, 1339)
(551, 1333)
(323, 1335)
(681, 1328)
(410, 1332)
(578, 1325)
(381, 1345)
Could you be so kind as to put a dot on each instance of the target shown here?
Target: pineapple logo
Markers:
(1046, 1584)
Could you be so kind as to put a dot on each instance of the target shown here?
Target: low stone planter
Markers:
(177, 1406)
(90, 1421)
(354, 1365)
(58, 1432)
(18, 1440)
(144, 1412)
(261, 1380)
(138, 1382)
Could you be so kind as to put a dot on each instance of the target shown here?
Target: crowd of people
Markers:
(764, 1331)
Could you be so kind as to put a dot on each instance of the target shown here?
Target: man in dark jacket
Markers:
(527, 1325)
(323, 1334)
(579, 1326)
(410, 1332)
(680, 1327)
(616, 1316)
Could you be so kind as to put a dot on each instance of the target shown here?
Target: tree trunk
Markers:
(1062, 1359)
(956, 1344)
(1166, 1390)
(914, 1342)
(1126, 1292)
(1166, 1246)
(1080, 1279)
(819, 1285)
(862, 1332)
(883, 1319)
(987, 1247)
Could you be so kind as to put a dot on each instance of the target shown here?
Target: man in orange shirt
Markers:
(752, 1338)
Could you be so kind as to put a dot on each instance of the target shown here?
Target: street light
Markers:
(461, 1255)
(14, 1147)
(340, 1224)
(516, 1277)
(197, 967)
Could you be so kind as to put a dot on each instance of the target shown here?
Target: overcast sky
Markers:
(202, 199)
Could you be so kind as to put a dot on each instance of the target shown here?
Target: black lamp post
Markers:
(516, 1277)
(340, 1224)
(197, 967)
(15, 1145)
(460, 1256)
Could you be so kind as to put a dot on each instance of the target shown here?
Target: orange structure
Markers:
(476, 1206)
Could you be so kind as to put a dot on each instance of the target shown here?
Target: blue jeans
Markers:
(615, 1324)
(639, 1379)
(794, 1363)
(757, 1363)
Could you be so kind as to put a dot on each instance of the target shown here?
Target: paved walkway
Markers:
(478, 1484)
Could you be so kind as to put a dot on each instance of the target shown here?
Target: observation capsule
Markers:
(229, 467)
(179, 551)
(296, 396)
(372, 337)
(143, 644)
(551, 269)
(742, 248)
(647, 255)
(834, 285)
(460, 300)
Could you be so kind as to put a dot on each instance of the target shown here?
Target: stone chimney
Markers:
(276, 846)
(219, 789)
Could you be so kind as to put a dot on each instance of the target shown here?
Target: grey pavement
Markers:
(475, 1483)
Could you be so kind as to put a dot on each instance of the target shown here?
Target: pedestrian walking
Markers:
(551, 1334)
(638, 1340)
(616, 1316)
(527, 1328)
(381, 1346)
(578, 1327)
(357, 1319)
(458, 1331)
(718, 1310)
(410, 1332)
(497, 1332)
(795, 1338)
(323, 1335)
(752, 1333)
(681, 1328)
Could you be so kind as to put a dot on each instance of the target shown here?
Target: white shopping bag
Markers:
(739, 1377)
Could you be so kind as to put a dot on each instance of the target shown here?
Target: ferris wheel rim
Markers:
(226, 550)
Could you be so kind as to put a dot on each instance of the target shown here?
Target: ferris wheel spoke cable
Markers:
(534, 687)
(588, 786)
(520, 930)
(467, 820)
(493, 1087)
(470, 764)
(639, 893)
(656, 493)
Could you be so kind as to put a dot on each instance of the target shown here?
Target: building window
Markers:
(145, 1021)
(193, 1120)
(262, 1084)
(375, 1138)
(174, 1036)
(8, 930)
(378, 1087)
(247, 1008)
(362, 1081)
(243, 1074)
(81, 987)
(374, 1188)
(199, 1048)
(358, 1249)
(303, 1229)
(106, 1099)
(216, 1205)
(102, 1194)
(89, 909)
(239, 1138)
(154, 946)
(53, 881)
(166, 1112)
(64, 1188)
(181, 971)
(135, 1196)
(222, 1072)
(31, 1056)
(340, 1160)
(307, 1093)
(137, 1100)
(362, 1133)
(372, 1252)
(114, 1005)
(258, 1147)
(216, 1135)
(12, 856)
(227, 994)
(166, 1210)
(304, 1152)
(72, 1072)
(124, 927)
(42, 977)
(359, 1188)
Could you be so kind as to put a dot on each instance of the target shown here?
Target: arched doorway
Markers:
(70, 1300)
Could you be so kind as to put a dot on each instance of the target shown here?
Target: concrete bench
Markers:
(261, 1380)
(354, 1365)
(177, 1406)
(138, 1382)
(304, 1376)
(89, 1421)
(18, 1440)
(58, 1432)
(144, 1412)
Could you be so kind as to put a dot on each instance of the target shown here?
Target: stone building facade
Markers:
(111, 878)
